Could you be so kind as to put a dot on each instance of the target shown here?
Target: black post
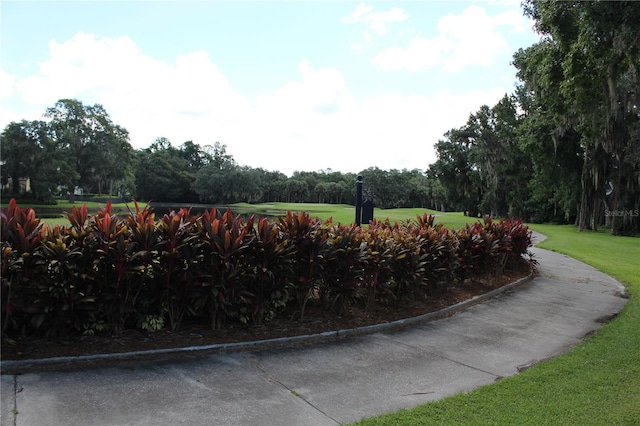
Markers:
(359, 200)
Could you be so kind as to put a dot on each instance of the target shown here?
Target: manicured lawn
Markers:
(345, 213)
(65, 206)
(597, 383)
(342, 213)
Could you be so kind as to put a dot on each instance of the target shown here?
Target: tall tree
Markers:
(111, 158)
(217, 180)
(98, 149)
(272, 185)
(457, 175)
(162, 173)
(29, 151)
(595, 52)
(494, 151)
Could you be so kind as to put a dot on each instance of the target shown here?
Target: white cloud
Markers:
(74, 66)
(321, 91)
(358, 15)
(7, 84)
(475, 38)
(470, 38)
(509, 3)
(515, 20)
(310, 123)
(376, 21)
(420, 54)
(151, 98)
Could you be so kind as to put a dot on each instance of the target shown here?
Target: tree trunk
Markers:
(583, 213)
(595, 207)
(15, 184)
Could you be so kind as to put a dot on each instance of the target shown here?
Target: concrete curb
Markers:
(13, 367)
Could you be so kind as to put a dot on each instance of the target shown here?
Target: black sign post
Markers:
(359, 200)
(364, 209)
(367, 211)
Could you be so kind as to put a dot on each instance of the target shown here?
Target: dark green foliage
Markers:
(30, 150)
(103, 272)
(64, 300)
(308, 239)
(21, 236)
(97, 150)
(481, 166)
(581, 84)
(342, 279)
(271, 261)
(163, 175)
(78, 146)
(178, 254)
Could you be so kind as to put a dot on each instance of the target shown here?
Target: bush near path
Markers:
(103, 272)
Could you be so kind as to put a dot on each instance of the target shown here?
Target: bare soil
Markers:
(316, 320)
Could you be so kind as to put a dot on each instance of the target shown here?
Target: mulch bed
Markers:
(316, 320)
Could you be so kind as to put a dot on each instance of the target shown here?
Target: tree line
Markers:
(564, 147)
(191, 173)
(79, 146)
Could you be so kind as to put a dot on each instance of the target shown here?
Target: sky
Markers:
(284, 85)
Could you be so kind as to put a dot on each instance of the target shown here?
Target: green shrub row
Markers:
(105, 272)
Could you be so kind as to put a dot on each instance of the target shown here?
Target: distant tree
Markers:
(296, 190)
(161, 144)
(272, 185)
(217, 156)
(310, 179)
(98, 149)
(22, 146)
(481, 167)
(418, 189)
(79, 146)
(219, 180)
(162, 174)
(111, 158)
(245, 185)
(174, 172)
(436, 197)
(503, 168)
(458, 177)
(377, 183)
(30, 151)
(196, 156)
(556, 161)
(322, 191)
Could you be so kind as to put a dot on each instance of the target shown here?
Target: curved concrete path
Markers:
(338, 382)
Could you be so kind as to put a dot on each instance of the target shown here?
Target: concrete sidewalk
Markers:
(338, 382)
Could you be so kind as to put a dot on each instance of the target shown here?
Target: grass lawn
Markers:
(65, 206)
(342, 213)
(345, 213)
(597, 383)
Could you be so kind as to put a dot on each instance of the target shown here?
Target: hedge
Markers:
(105, 273)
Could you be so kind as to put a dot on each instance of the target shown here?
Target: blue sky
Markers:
(288, 85)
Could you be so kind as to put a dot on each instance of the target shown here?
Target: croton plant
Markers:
(105, 273)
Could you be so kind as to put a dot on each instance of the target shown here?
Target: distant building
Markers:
(25, 185)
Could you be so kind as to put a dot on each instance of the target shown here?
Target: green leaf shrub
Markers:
(105, 272)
